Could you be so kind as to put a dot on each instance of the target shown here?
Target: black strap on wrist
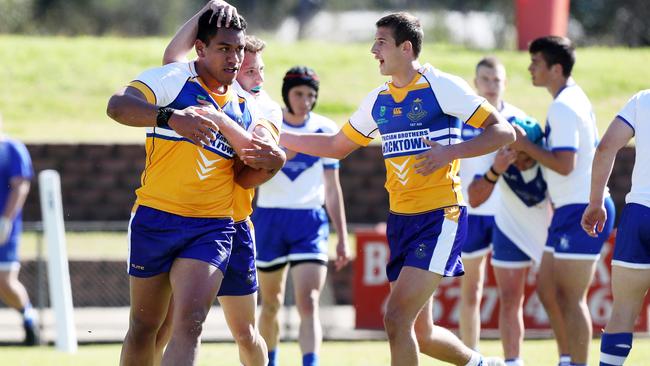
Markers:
(485, 176)
(494, 171)
(164, 114)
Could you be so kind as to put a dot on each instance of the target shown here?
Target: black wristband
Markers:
(494, 171)
(164, 113)
(485, 176)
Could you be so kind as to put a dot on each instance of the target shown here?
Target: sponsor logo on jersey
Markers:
(397, 111)
(421, 251)
(404, 142)
(206, 166)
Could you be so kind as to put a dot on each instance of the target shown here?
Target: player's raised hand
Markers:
(433, 159)
(193, 125)
(593, 219)
(223, 11)
(342, 254)
(263, 155)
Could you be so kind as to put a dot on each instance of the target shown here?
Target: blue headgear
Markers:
(533, 129)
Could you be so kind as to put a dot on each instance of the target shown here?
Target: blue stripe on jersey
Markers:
(402, 125)
(530, 193)
(296, 166)
(626, 122)
(564, 148)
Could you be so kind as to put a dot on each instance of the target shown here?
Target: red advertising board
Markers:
(371, 290)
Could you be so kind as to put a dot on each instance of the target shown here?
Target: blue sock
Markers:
(28, 315)
(273, 357)
(614, 348)
(310, 359)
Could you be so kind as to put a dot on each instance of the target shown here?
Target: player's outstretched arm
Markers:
(184, 39)
(617, 135)
(336, 146)
(336, 211)
(497, 132)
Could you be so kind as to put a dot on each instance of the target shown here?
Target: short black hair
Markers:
(490, 62)
(405, 27)
(208, 26)
(555, 50)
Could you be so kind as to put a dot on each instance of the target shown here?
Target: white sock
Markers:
(475, 360)
(514, 362)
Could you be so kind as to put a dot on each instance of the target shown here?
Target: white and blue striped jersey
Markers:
(300, 184)
(636, 113)
(571, 126)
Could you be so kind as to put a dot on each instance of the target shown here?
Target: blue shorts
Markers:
(290, 236)
(479, 236)
(240, 278)
(632, 248)
(430, 241)
(506, 254)
(566, 238)
(157, 238)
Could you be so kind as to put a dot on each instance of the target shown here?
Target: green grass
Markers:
(55, 89)
(535, 352)
(109, 245)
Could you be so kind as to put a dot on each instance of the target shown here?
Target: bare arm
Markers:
(336, 211)
(263, 161)
(617, 135)
(130, 107)
(481, 189)
(19, 188)
(185, 37)
(562, 162)
(497, 132)
(336, 146)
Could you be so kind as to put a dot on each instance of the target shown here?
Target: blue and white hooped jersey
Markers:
(179, 177)
(571, 126)
(300, 183)
(475, 167)
(524, 211)
(636, 113)
(434, 105)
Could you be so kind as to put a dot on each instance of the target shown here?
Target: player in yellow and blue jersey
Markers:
(182, 227)
(237, 295)
(419, 115)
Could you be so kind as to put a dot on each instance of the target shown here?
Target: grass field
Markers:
(535, 353)
(55, 89)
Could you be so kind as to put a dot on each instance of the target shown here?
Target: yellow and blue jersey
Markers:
(179, 177)
(434, 105)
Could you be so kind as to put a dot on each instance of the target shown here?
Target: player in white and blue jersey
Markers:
(291, 225)
(15, 176)
(571, 139)
(631, 259)
(521, 221)
(418, 115)
(490, 82)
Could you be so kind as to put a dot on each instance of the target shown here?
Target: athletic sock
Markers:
(514, 362)
(565, 360)
(273, 357)
(29, 315)
(475, 360)
(310, 359)
(614, 348)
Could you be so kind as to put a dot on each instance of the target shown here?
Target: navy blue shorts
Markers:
(479, 236)
(506, 254)
(632, 248)
(290, 236)
(566, 238)
(157, 238)
(430, 241)
(240, 278)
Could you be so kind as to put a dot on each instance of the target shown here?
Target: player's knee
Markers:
(394, 322)
(271, 307)
(246, 337)
(144, 326)
(191, 323)
(308, 303)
